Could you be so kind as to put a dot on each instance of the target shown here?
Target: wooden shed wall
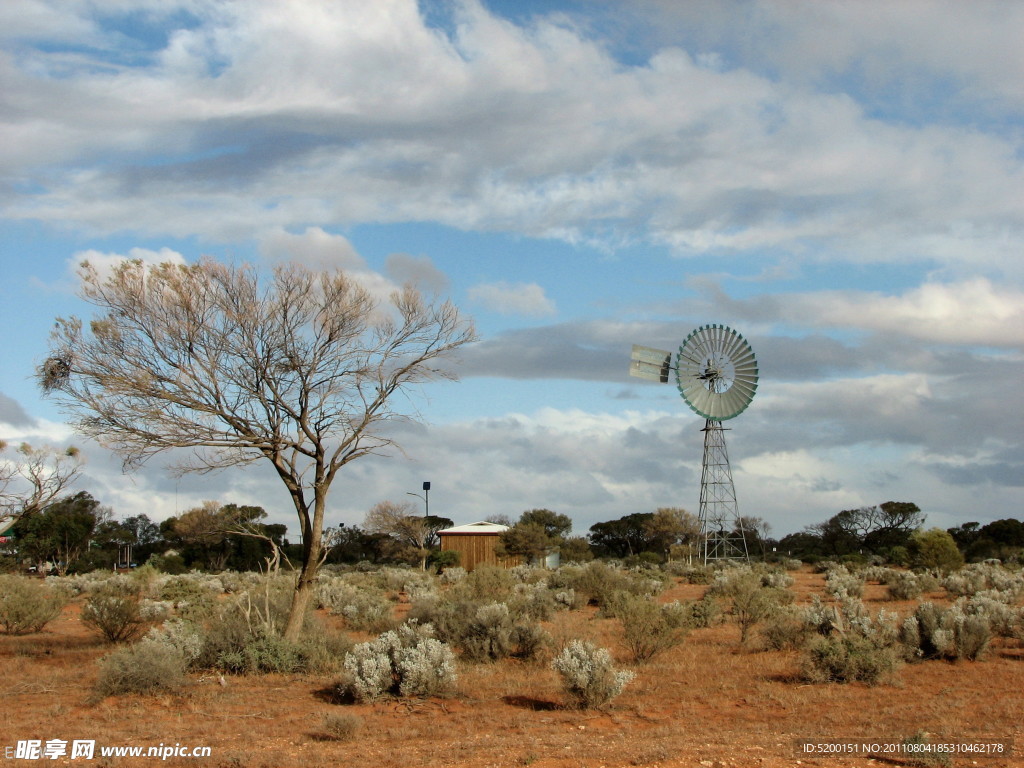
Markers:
(475, 549)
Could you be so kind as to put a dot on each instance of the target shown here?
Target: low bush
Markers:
(487, 635)
(840, 582)
(27, 606)
(114, 611)
(904, 585)
(453, 575)
(487, 583)
(847, 658)
(340, 727)
(483, 632)
(704, 612)
(406, 661)
(650, 629)
(180, 635)
(364, 608)
(245, 636)
(787, 630)
(936, 633)
(191, 599)
(689, 572)
(148, 667)
(534, 601)
(597, 581)
(750, 601)
(261, 654)
(589, 678)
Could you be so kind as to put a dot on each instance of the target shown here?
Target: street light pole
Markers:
(425, 497)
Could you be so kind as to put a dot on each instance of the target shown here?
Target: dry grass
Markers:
(705, 700)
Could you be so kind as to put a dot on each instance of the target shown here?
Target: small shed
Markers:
(475, 544)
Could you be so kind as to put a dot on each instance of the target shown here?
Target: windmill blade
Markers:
(716, 372)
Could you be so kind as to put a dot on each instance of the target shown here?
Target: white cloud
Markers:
(513, 299)
(314, 248)
(973, 312)
(104, 263)
(343, 112)
(320, 250)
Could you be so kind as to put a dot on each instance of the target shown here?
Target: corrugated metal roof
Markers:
(482, 526)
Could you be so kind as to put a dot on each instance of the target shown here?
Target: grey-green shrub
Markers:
(841, 582)
(148, 667)
(487, 636)
(777, 579)
(787, 630)
(245, 636)
(689, 572)
(979, 577)
(534, 601)
(904, 585)
(406, 661)
(846, 644)
(933, 633)
(340, 727)
(650, 629)
(180, 635)
(847, 658)
(364, 608)
(597, 581)
(190, 597)
(997, 608)
(27, 606)
(261, 654)
(487, 583)
(750, 601)
(704, 612)
(453, 575)
(589, 678)
(531, 642)
(483, 632)
(114, 611)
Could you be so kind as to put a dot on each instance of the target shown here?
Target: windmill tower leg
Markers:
(721, 528)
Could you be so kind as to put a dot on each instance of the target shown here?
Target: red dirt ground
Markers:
(705, 703)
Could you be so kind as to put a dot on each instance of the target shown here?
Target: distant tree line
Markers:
(77, 533)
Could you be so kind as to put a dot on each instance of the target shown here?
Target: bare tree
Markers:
(35, 479)
(400, 522)
(301, 373)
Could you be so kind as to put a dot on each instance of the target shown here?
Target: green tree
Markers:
(61, 532)
(575, 549)
(555, 525)
(537, 533)
(301, 373)
(206, 528)
(527, 540)
(934, 548)
(672, 530)
(876, 529)
(625, 536)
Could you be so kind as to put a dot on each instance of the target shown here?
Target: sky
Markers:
(842, 183)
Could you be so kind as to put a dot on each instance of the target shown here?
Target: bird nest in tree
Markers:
(55, 372)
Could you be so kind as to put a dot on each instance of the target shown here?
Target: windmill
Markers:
(716, 373)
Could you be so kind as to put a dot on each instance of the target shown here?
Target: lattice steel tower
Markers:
(717, 376)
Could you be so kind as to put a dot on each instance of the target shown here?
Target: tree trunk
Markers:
(311, 540)
(300, 604)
